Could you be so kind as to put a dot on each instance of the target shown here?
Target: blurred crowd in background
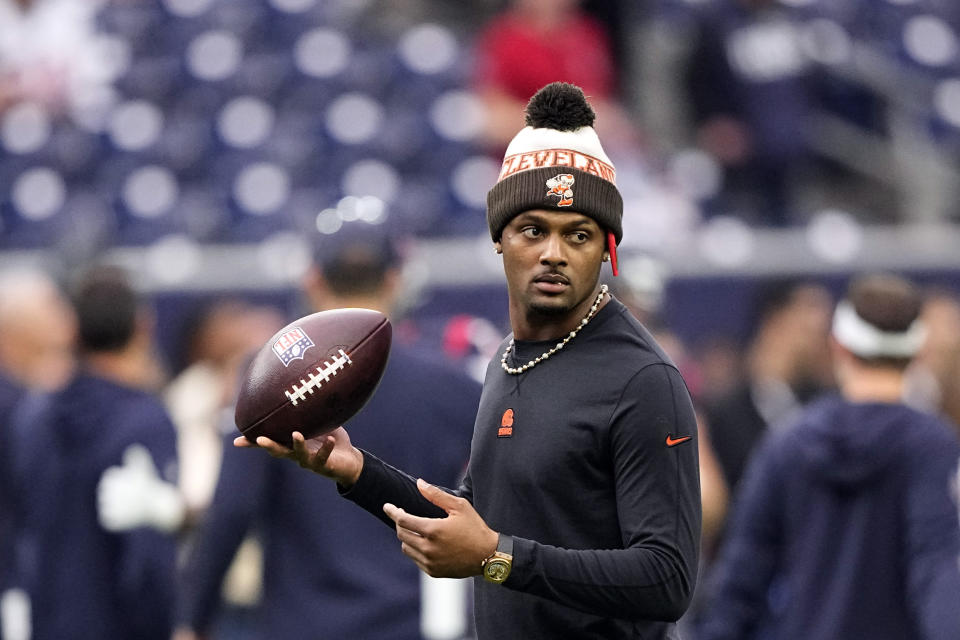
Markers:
(125, 122)
(766, 150)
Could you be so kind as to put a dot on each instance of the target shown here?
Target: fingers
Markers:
(275, 449)
(300, 451)
(417, 556)
(421, 526)
(313, 454)
(438, 496)
(413, 544)
(262, 442)
(393, 512)
(299, 445)
(298, 440)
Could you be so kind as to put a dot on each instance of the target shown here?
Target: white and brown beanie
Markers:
(556, 162)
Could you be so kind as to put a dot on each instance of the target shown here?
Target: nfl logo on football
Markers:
(291, 345)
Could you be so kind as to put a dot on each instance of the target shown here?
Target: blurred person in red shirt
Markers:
(535, 42)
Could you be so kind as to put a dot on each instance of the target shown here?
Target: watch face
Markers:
(497, 570)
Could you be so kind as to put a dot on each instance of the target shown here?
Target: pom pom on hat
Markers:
(556, 162)
(561, 106)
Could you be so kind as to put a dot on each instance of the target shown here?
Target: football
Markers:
(314, 374)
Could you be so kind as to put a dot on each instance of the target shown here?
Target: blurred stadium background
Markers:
(205, 143)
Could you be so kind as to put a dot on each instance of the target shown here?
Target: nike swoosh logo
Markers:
(672, 442)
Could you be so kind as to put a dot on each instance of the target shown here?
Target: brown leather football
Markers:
(314, 374)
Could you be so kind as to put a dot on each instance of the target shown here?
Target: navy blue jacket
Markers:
(84, 582)
(330, 570)
(9, 395)
(844, 528)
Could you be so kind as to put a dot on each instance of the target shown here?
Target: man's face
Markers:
(552, 261)
(37, 341)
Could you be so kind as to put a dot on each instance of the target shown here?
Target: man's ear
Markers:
(497, 247)
(606, 256)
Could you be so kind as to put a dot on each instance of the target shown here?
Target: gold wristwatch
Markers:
(497, 567)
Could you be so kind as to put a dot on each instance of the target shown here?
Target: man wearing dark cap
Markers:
(329, 570)
(579, 516)
(845, 525)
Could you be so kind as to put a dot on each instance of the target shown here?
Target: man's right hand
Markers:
(331, 455)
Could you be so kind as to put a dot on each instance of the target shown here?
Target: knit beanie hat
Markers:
(557, 163)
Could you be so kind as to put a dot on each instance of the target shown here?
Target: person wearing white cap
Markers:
(579, 516)
(845, 526)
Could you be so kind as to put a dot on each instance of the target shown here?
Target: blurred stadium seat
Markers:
(230, 120)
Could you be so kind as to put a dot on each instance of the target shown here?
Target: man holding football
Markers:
(580, 512)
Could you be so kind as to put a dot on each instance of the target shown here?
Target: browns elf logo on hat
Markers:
(558, 135)
(559, 186)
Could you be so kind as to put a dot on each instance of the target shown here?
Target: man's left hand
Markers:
(451, 547)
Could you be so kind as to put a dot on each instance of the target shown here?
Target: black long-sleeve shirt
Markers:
(585, 460)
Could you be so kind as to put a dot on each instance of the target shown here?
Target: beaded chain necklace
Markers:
(514, 371)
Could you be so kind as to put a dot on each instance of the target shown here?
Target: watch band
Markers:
(505, 544)
(497, 567)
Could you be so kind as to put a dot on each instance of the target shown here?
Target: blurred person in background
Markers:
(10, 394)
(721, 365)
(84, 581)
(933, 380)
(787, 364)
(37, 332)
(217, 339)
(749, 86)
(845, 526)
(534, 42)
(329, 569)
(469, 342)
(51, 53)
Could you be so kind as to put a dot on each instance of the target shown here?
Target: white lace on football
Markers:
(316, 380)
(546, 354)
